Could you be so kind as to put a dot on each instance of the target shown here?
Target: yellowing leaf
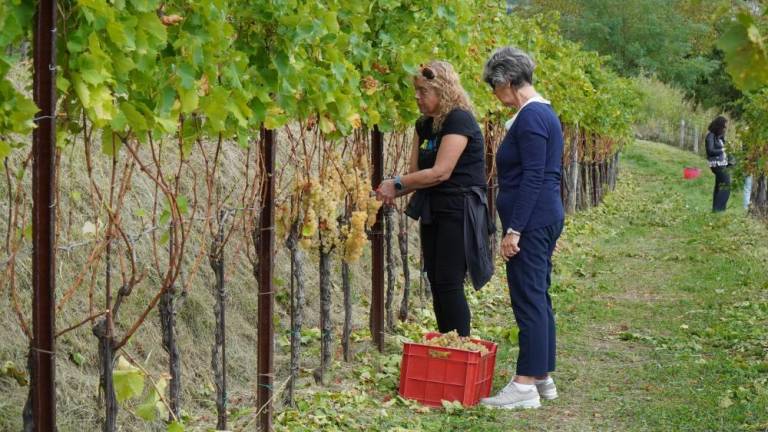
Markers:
(102, 105)
(326, 125)
(355, 120)
(754, 35)
(82, 91)
(169, 20)
(275, 117)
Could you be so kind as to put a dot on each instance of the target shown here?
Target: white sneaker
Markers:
(546, 388)
(511, 397)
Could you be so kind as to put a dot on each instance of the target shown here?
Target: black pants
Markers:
(722, 188)
(442, 243)
(529, 276)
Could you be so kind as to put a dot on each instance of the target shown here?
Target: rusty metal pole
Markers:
(377, 245)
(266, 331)
(43, 219)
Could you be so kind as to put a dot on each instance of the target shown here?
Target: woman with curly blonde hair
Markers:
(448, 174)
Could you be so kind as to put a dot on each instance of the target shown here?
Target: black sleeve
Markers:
(459, 122)
(710, 141)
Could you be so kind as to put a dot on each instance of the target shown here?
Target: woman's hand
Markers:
(509, 246)
(386, 192)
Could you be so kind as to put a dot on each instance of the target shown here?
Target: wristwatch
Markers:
(398, 183)
(511, 231)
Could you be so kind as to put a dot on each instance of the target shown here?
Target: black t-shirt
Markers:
(470, 168)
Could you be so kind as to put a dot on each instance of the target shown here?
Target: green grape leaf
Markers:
(746, 56)
(128, 380)
(153, 407)
(151, 25)
(22, 115)
(110, 144)
(167, 125)
(186, 74)
(183, 204)
(189, 99)
(144, 5)
(77, 358)
(215, 108)
(5, 149)
(175, 426)
(165, 215)
(147, 410)
(135, 118)
(117, 34)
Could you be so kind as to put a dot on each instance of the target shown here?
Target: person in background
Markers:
(528, 164)
(718, 163)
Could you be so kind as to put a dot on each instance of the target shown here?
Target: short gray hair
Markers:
(509, 65)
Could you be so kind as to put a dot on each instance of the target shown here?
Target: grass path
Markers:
(662, 311)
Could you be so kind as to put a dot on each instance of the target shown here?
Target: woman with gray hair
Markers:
(528, 164)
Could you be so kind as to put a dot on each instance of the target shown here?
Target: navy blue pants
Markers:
(722, 188)
(529, 276)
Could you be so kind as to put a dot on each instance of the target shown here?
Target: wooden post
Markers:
(266, 332)
(574, 192)
(682, 133)
(377, 245)
(43, 222)
(696, 139)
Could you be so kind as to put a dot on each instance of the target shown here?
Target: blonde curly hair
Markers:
(447, 86)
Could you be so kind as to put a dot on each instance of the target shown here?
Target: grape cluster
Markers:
(318, 202)
(363, 205)
(454, 341)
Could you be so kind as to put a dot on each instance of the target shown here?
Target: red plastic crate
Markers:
(431, 374)
(690, 173)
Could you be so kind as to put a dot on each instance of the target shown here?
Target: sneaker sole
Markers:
(548, 396)
(528, 404)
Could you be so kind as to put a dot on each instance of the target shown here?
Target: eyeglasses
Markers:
(427, 73)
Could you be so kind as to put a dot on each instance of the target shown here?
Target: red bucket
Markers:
(690, 173)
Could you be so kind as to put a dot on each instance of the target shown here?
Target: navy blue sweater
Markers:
(528, 164)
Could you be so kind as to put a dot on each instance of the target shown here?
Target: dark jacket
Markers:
(715, 150)
(478, 226)
(529, 169)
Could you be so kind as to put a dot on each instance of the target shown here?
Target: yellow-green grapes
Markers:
(355, 236)
(453, 340)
